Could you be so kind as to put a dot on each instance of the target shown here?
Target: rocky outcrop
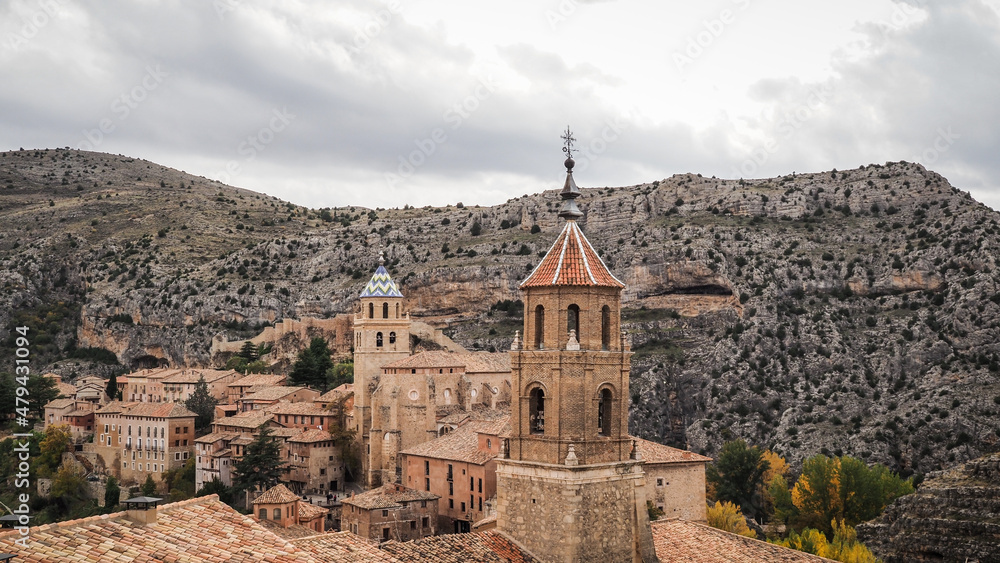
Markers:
(953, 516)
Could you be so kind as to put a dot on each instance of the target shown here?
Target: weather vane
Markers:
(568, 137)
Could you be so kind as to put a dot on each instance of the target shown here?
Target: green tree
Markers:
(476, 229)
(248, 351)
(149, 487)
(260, 468)
(41, 391)
(112, 389)
(202, 403)
(54, 443)
(217, 487)
(737, 476)
(339, 374)
(781, 496)
(112, 494)
(179, 482)
(68, 495)
(312, 365)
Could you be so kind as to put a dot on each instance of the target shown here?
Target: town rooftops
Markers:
(653, 452)
(278, 494)
(571, 261)
(254, 420)
(460, 445)
(60, 403)
(309, 511)
(344, 547)
(286, 407)
(381, 285)
(336, 394)
(689, 542)
(481, 546)
(311, 435)
(215, 436)
(387, 496)
(115, 407)
(193, 375)
(200, 529)
(158, 410)
(271, 393)
(258, 379)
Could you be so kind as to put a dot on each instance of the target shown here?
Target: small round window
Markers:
(473, 392)
(414, 395)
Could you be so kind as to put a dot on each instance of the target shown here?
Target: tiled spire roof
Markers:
(381, 284)
(571, 261)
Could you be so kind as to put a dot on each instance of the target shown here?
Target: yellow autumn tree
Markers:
(810, 540)
(816, 494)
(776, 467)
(845, 546)
(728, 517)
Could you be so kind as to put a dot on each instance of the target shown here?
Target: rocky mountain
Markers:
(953, 516)
(853, 312)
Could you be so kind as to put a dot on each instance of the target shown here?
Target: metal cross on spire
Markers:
(569, 139)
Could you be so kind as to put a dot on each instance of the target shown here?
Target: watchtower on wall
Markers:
(381, 336)
(569, 486)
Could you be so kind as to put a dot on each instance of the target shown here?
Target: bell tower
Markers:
(381, 336)
(569, 486)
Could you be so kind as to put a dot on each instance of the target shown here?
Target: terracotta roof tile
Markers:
(201, 529)
(311, 435)
(277, 494)
(387, 496)
(285, 407)
(258, 379)
(290, 533)
(492, 546)
(344, 547)
(60, 403)
(571, 261)
(193, 375)
(310, 511)
(336, 394)
(271, 393)
(158, 410)
(653, 452)
(689, 542)
(461, 445)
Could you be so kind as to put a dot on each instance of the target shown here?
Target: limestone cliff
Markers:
(852, 311)
(953, 516)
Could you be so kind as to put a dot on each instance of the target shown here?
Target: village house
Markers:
(180, 385)
(306, 415)
(459, 467)
(261, 396)
(675, 480)
(239, 388)
(139, 439)
(313, 463)
(284, 509)
(214, 458)
(391, 512)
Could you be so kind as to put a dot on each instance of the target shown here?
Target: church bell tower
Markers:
(569, 486)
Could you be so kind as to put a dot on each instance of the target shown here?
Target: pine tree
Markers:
(112, 389)
(202, 403)
(248, 351)
(112, 493)
(311, 367)
(737, 476)
(260, 467)
(149, 487)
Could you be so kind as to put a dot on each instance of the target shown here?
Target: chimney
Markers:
(141, 510)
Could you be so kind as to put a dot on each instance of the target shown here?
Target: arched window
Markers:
(539, 327)
(371, 310)
(263, 514)
(397, 310)
(392, 338)
(604, 413)
(573, 320)
(605, 328)
(385, 310)
(536, 411)
(378, 339)
(277, 514)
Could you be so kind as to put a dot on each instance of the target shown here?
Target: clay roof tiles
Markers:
(258, 379)
(387, 496)
(490, 546)
(193, 375)
(271, 393)
(462, 445)
(60, 403)
(201, 529)
(571, 261)
(312, 435)
(310, 511)
(277, 494)
(653, 452)
(158, 410)
(343, 547)
(688, 542)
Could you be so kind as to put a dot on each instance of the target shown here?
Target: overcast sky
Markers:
(383, 103)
